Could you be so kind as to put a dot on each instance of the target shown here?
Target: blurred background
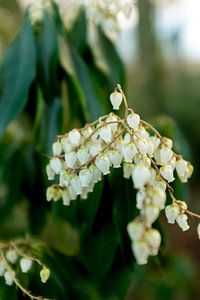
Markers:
(153, 48)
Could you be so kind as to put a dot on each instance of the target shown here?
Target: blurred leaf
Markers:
(17, 73)
(48, 59)
(78, 33)
(7, 292)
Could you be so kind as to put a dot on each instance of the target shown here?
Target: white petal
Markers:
(141, 252)
(116, 100)
(167, 173)
(105, 133)
(103, 164)
(129, 151)
(57, 148)
(172, 212)
(133, 121)
(85, 176)
(74, 137)
(76, 184)
(71, 159)
(182, 222)
(135, 230)
(83, 156)
(56, 165)
(140, 176)
(25, 264)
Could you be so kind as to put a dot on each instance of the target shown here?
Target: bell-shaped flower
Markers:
(97, 175)
(87, 131)
(115, 157)
(143, 133)
(160, 183)
(168, 143)
(103, 164)
(57, 148)
(135, 230)
(127, 138)
(95, 149)
(141, 252)
(142, 160)
(133, 121)
(112, 118)
(85, 176)
(25, 264)
(56, 165)
(166, 155)
(71, 159)
(83, 155)
(76, 184)
(167, 173)
(182, 222)
(11, 256)
(44, 274)
(9, 277)
(172, 212)
(140, 176)
(66, 144)
(74, 137)
(66, 198)
(158, 197)
(143, 146)
(127, 170)
(153, 239)
(151, 213)
(72, 193)
(155, 141)
(50, 172)
(105, 133)
(116, 99)
(129, 151)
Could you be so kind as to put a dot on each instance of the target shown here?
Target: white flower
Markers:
(155, 141)
(44, 274)
(11, 256)
(116, 100)
(167, 142)
(142, 160)
(140, 176)
(127, 138)
(198, 230)
(112, 118)
(56, 165)
(140, 197)
(97, 175)
(153, 239)
(129, 151)
(83, 155)
(135, 230)
(95, 149)
(115, 157)
(57, 148)
(151, 214)
(87, 131)
(70, 159)
(66, 198)
(72, 193)
(76, 184)
(160, 183)
(133, 121)
(85, 176)
(182, 222)
(158, 198)
(143, 146)
(184, 169)
(9, 277)
(53, 193)
(66, 145)
(141, 252)
(25, 264)
(103, 164)
(50, 172)
(74, 137)
(143, 133)
(2, 267)
(127, 170)
(105, 133)
(165, 155)
(167, 173)
(172, 212)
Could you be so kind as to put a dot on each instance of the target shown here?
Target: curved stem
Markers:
(119, 89)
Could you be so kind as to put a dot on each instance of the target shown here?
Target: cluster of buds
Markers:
(15, 258)
(82, 156)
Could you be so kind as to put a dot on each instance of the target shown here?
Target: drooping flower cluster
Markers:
(15, 258)
(81, 157)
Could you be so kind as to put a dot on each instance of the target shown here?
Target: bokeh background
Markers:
(153, 49)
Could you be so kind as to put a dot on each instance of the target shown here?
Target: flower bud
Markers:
(133, 121)
(140, 176)
(116, 99)
(11, 256)
(83, 155)
(50, 172)
(151, 214)
(44, 274)
(127, 170)
(85, 176)
(115, 157)
(71, 159)
(167, 173)
(153, 239)
(103, 164)
(9, 277)
(25, 264)
(76, 184)
(167, 142)
(105, 133)
(129, 151)
(74, 137)
(141, 252)
(182, 222)
(56, 165)
(135, 230)
(57, 148)
(172, 212)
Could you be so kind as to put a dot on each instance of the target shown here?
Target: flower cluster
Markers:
(81, 157)
(15, 258)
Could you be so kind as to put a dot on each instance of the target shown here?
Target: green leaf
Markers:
(17, 73)
(7, 292)
(78, 33)
(110, 60)
(47, 50)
